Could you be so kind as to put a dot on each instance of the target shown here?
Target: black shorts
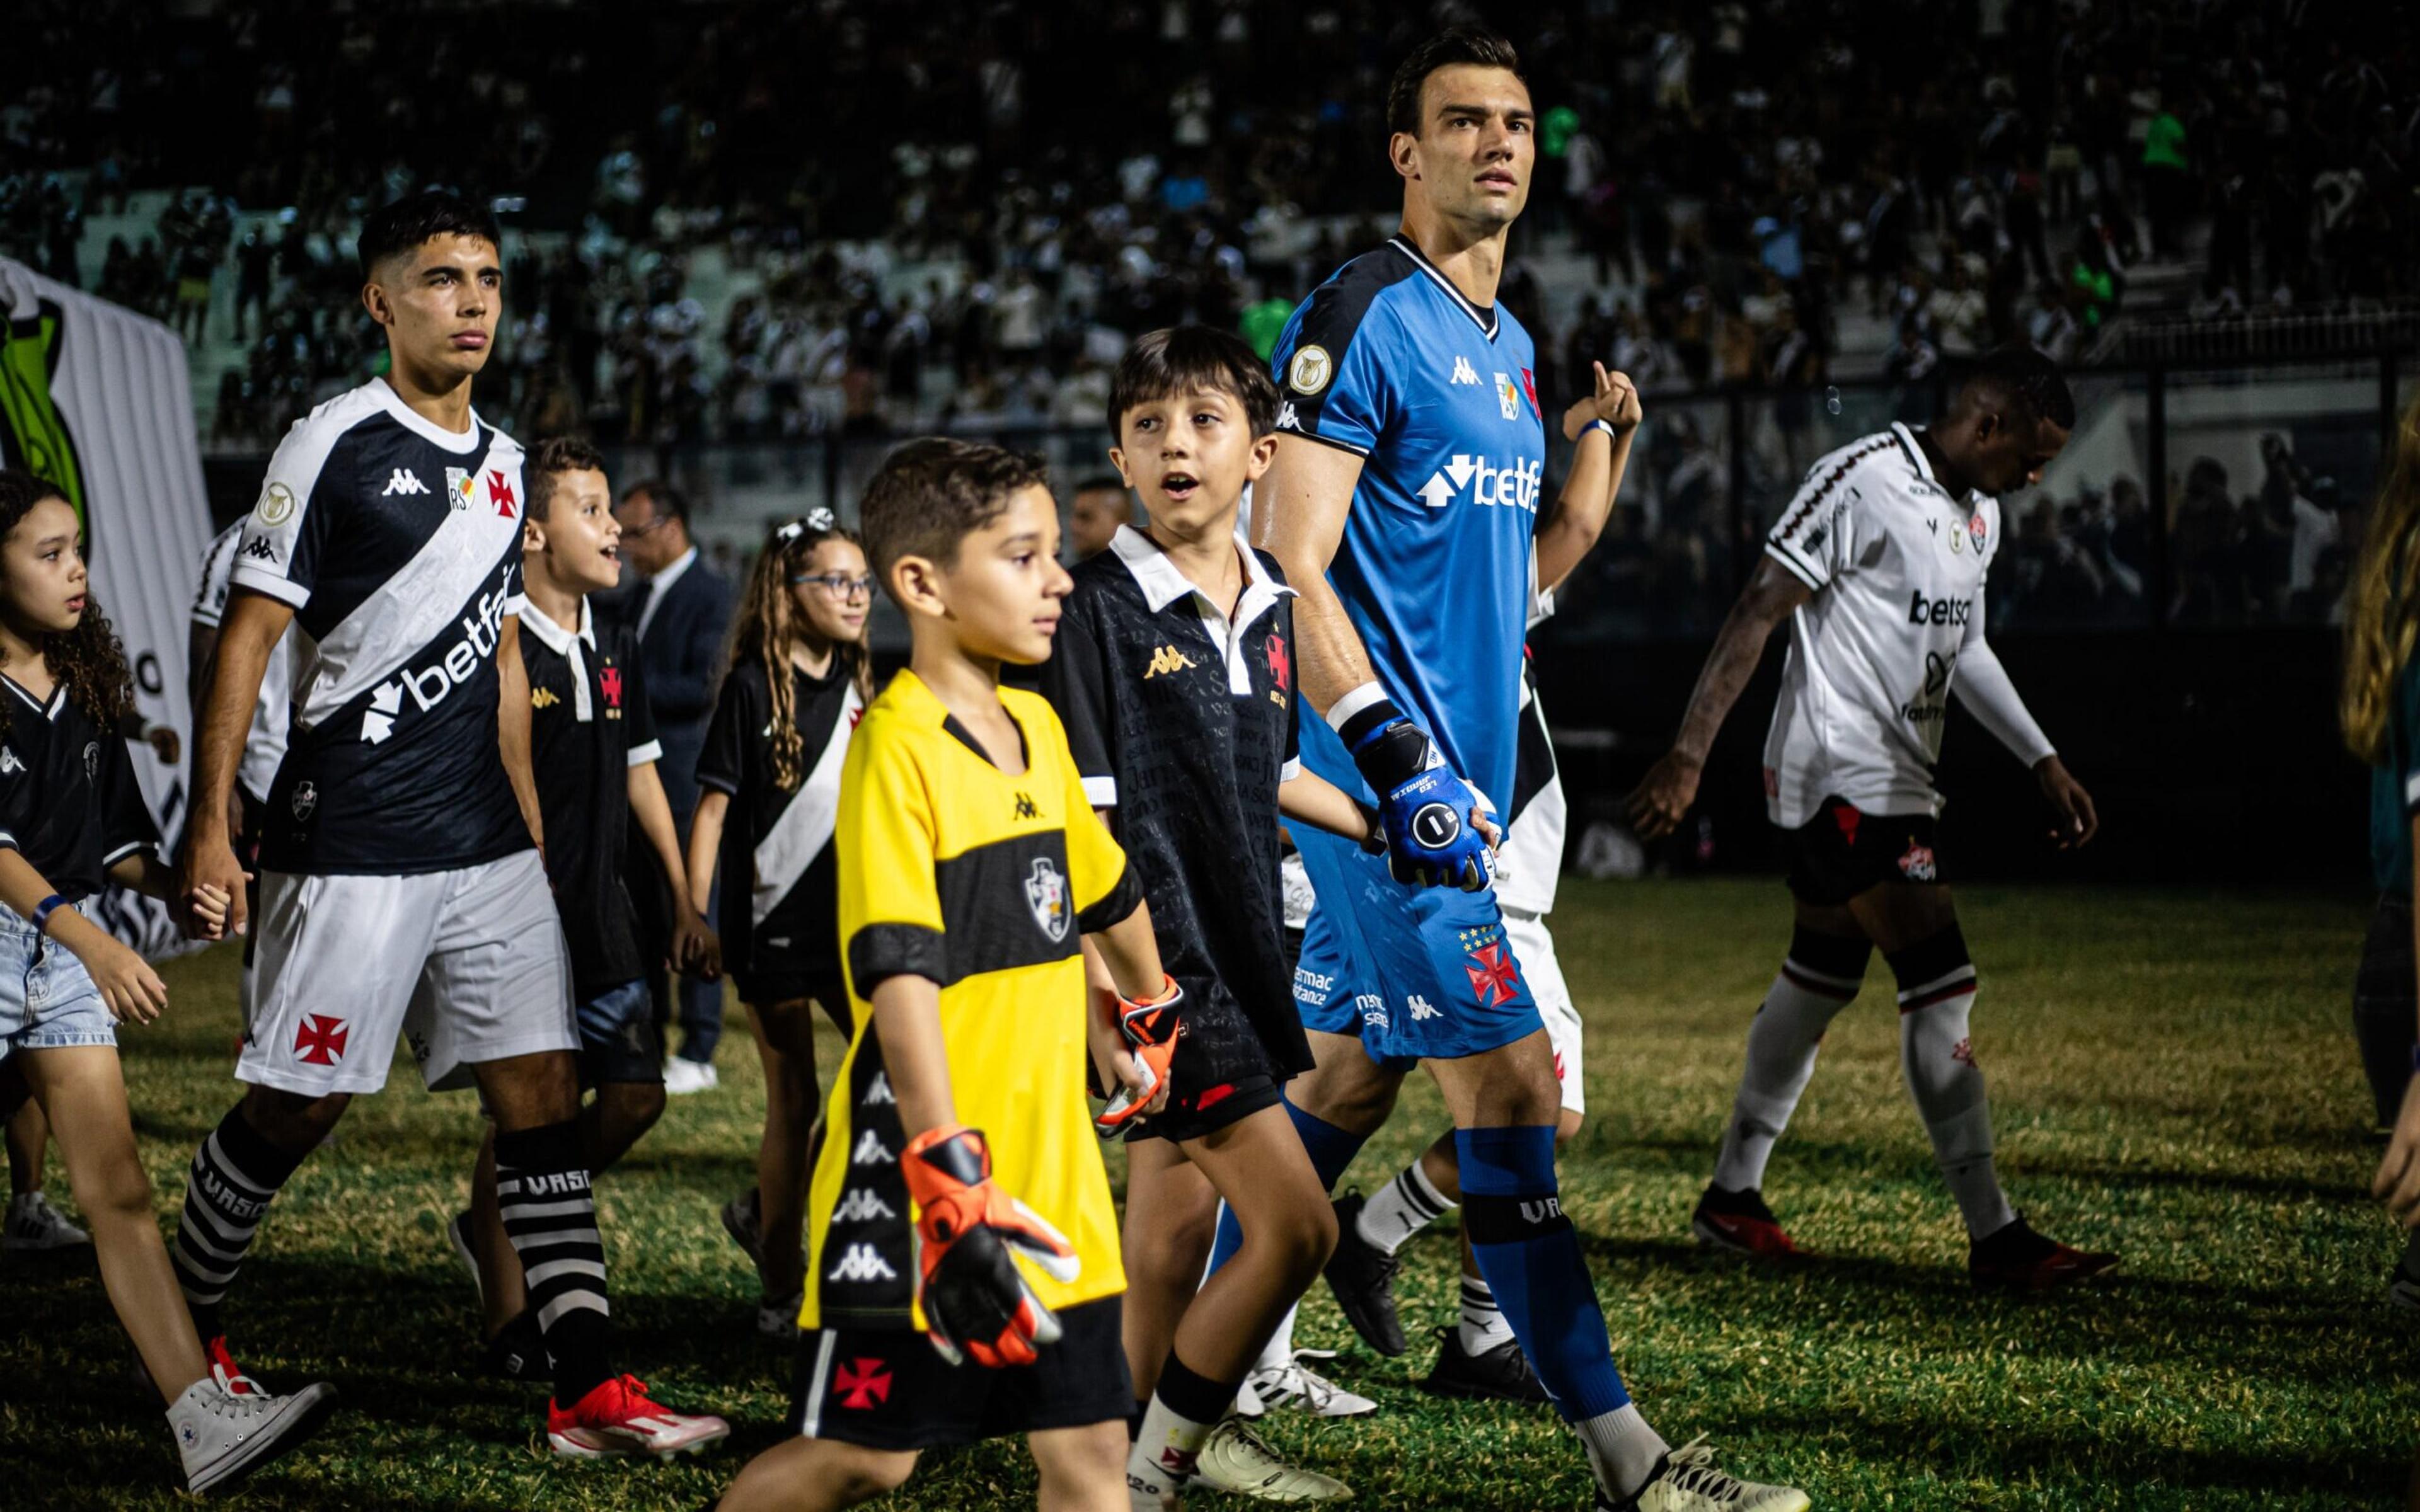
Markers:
(1842, 852)
(1198, 1112)
(887, 1388)
(779, 983)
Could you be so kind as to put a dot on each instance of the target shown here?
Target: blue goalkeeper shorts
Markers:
(1418, 973)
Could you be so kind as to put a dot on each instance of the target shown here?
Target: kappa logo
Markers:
(1463, 372)
(1508, 398)
(878, 1093)
(544, 697)
(1421, 1008)
(861, 1263)
(403, 480)
(1287, 419)
(861, 1206)
(1045, 893)
(1916, 865)
(8, 762)
(871, 1150)
(432, 683)
(260, 548)
(319, 1039)
(861, 1384)
(1025, 807)
(306, 798)
(92, 761)
(1513, 488)
(1167, 660)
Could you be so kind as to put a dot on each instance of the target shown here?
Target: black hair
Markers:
(403, 226)
(1184, 360)
(1454, 46)
(88, 660)
(2025, 378)
(934, 492)
(667, 499)
(555, 456)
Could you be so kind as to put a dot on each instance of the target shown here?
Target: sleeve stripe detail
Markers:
(1292, 769)
(7, 839)
(270, 585)
(1327, 440)
(1790, 560)
(652, 752)
(1809, 499)
(877, 952)
(720, 784)
(123, 852)
(1101, 792)
(1115, 906)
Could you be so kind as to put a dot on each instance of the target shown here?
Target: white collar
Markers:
(462, 441)
(1162, 584)
(1486, 319)
(1916, 457)
(662, 583)
(554, 636)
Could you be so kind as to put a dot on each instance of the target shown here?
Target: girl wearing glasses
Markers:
(797, 675)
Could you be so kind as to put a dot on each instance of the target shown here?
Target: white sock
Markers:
(1781, 1044)
(1483, 1326)
(1165, 1449)
(1402, 1208)
(1623, 1450)
(1277, 1353)
(1938, 1058)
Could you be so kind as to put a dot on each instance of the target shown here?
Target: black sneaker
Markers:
(517, 1353)
(1502, 1372)
(1362, 1276)
(743, 1219)
(2015, 1258)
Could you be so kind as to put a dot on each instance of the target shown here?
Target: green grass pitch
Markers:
(2172, 1075)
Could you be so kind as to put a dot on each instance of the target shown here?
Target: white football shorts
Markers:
(1535, 950)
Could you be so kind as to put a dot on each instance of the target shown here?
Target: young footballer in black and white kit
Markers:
(1174, 673)
(1879, 564)
(593, 750)
(769, 783)
(71, 818)
(402, 891)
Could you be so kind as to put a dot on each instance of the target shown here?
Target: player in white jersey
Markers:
(264, 744)
(1877, 564)
(401, 892)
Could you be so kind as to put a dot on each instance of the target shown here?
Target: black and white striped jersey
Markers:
(397, 543)
(264, 744)
(68, 801)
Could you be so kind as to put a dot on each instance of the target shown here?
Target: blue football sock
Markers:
(1531, 1260)
(1332, 1150)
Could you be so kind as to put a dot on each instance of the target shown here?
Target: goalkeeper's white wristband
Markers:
(1344, 709)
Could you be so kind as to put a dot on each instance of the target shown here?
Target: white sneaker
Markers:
(684, 1076)
(1296, 1385)
(225, 1435)
(780, 1320)
(33, 1224)
(1688, 1482)
(1235, 1459)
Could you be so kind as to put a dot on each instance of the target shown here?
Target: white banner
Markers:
(96, 399)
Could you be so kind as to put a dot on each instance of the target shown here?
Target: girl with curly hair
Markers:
(71, 818)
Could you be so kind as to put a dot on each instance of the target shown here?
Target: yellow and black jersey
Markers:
(983, 883)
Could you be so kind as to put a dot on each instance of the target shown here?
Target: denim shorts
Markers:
(47, 998)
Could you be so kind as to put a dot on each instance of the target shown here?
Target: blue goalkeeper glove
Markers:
(1427, 814)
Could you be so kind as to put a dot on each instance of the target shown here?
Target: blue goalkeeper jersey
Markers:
(1387, 360)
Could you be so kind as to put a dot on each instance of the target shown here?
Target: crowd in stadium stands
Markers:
(945, 212)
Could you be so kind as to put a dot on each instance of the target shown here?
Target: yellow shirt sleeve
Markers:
(889, 908)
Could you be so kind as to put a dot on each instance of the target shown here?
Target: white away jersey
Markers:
(397, 543)
(1897, 567)
(264, 744)
(1530, 860)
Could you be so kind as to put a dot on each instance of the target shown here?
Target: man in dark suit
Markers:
(681, 609)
